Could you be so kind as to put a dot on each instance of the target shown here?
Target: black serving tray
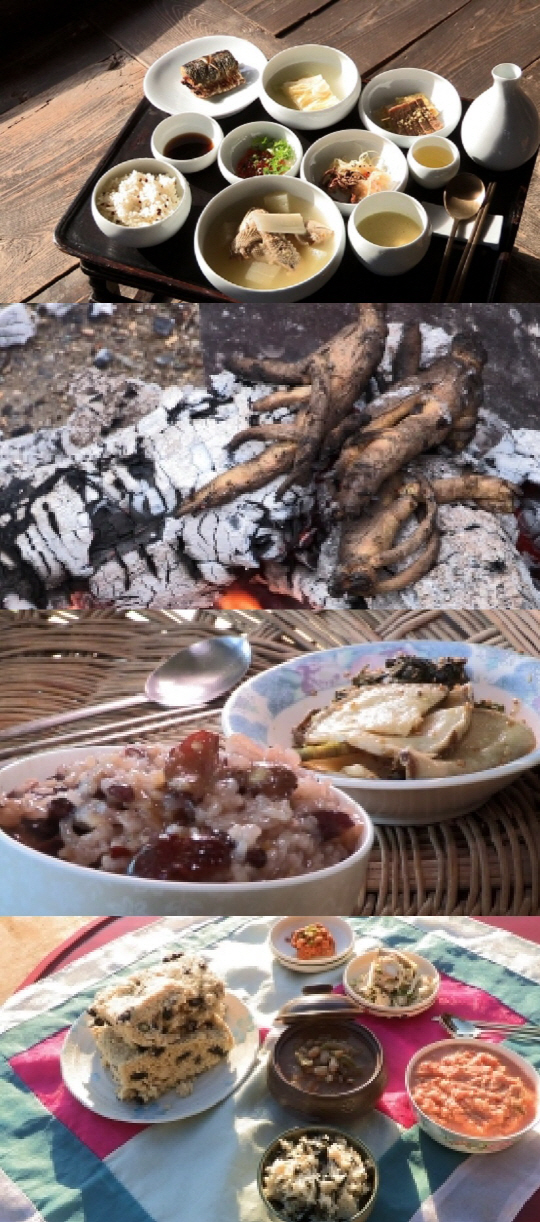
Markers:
(171, 269)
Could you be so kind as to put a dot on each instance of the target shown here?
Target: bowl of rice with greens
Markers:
(318, 1174)
(141, 202)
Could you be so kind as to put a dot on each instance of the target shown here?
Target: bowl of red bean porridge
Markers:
(202, 826)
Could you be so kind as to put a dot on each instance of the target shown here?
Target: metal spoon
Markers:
(463, 198)
(192, 677)
(463, 1028)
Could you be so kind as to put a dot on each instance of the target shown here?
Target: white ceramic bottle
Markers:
(501, 129)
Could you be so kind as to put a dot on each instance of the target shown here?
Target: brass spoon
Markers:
(463, 198)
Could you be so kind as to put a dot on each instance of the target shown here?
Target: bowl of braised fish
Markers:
(417, 731)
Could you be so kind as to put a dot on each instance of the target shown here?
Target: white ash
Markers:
(16, 325)
(516, 457)
(94, 501)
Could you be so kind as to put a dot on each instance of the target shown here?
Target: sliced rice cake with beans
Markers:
(156, 1005)
(141, 1073)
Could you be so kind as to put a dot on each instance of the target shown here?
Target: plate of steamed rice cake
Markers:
(160, 1044)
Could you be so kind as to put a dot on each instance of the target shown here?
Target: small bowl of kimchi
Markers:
(352, 164)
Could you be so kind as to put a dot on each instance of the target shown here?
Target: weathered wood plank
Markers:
(523, 280)
(371, 32)
(72, 287)
(468, 44)
(276, 18)
(42, 63)
(49, 146)
(149, 30)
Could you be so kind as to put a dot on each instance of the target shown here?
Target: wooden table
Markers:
(98, 932)
(66, 91)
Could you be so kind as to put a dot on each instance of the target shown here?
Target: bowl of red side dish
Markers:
(255, 150)
(473, 1096)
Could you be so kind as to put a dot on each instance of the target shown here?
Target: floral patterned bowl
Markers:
(470, 1144)
(270, 706)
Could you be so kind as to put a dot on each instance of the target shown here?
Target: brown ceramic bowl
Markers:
(337, 1102)
(366, 1206)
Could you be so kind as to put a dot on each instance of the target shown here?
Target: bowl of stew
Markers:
(327, 1068)
(473, 1096)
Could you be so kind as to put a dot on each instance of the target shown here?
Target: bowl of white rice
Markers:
(141, 202)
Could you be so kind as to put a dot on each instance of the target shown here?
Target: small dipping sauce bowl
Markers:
(392, 259)
(311, 1094)
(178, 127)
(433, 161)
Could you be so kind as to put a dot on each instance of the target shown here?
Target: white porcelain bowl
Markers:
(362, 962)
(347, 145)
(399, 82)
(177, 125)
(389, 260)
(269, 707)
(456, 1141)
(297, 62)
(433, 177)
(143, 235)
(249, 194)
(280, 945)
(240, 140)
(35, 884)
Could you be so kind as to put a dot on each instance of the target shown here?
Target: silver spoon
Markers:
(193, 677)
(463, 1028)
(463, 198)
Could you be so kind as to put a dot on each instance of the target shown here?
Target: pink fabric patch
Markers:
(39, 1068)
(401, 1038)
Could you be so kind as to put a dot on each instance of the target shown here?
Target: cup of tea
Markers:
(189, 141)
(433, 161)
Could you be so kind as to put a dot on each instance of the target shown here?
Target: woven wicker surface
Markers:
(486, 863)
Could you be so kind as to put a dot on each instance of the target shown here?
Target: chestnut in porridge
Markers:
(199, 811)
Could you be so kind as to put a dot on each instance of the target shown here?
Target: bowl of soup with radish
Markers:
(269, 239)
(472, 1095)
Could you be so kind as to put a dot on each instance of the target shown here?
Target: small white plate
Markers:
(90, 1083)
(280, 946)
(163, 84)
(308, 968)
(363, 960)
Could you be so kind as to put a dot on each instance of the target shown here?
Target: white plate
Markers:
(418, 1007)
(163, 86)
(323, 965)
(90, 1083)
(341, 932)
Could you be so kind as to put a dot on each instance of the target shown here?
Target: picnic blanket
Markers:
(60, 1162)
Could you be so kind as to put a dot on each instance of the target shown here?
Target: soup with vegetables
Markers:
(280, 242)
(310, 86)
(474, 1093)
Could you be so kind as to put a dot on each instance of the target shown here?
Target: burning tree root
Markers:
(364, 451)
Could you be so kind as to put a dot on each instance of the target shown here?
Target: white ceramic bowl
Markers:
(249, 193)
(280, 945)
(297, 62)
(433, 177)
(349, 144)
(399, 82)
(389, 260)
(34, 884)
(456, 1141)
(240, 140)
(143, 235)
(362, 961)
(177, 125)
(269, 706)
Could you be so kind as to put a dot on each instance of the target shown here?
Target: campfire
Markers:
(357, 477)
